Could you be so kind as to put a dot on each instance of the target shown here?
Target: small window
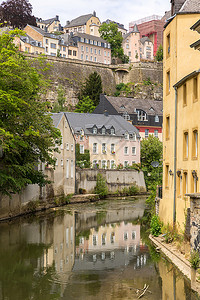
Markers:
(53, 46)
(67, 168)
(134, 137)
(69, 52)
(94, 131)
(112, 148)
(67, 146)
(104, 148)
(61, 162)
(126, 136)
(156, 119)
(133, 150)
(168, 83)
(82, 149)
(185, 183)
(72, 147)
(195, 89)
(86, 49)
(168, 45)
(74, 53)
(125, 164)
(184, 94)
(72, 168)
(103, 164)
(146, 133)
(94, 164)
(91, 50)
(126, 150)
(185, 145)
(167, 127)
(156, 133)
(112, 164)
(95, 148)
(166, 176)
(195, 144)
(103, 131)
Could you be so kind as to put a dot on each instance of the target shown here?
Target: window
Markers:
(156, 133)
(156, 119)
(86, 57)
(82, 40)
(95, 150)
(185, 183)
(72, 168)
(195, 89)
(167, 127)
(91, 50)
(126, 116)
(168, 83)
(94, 163)
(61, 162)
(112, 238)
(103, 164)
(94, 239)
(67, 168)
(112, 164)
(112, 148)
(86, 49)
(104, 148)
(133, 235)
(112, 131)
(125, 164)
(64, 55)
(168, 45)
(81, 138)
(184, 94)
(74, 53)
(126, 150)
(94, 131)
(166, 176)
(185, 145)
(194, 179)
(104, 53)
(91, 42)
(67, 146)
(82, 48)
(142, 116)
(72, 147)
(103, 131)
(47, 41)
(95, 59)
(99, 44)
(195, 144)
(95, 43)
(146, 133)
(82, 149)
(82, 56)
(95, 51)
(127, 46)
(86, 40)
(69, 52)
(91, 58)
(64, 48)
(99, 52)
(103, 239)
(133, 150)
(46, 49)
(126, 136)
(53, 46)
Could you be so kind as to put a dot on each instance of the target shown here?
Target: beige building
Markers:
(146, 49)
(50, 25)
(63, 177)
(27, 44)
(88, 24)
(181, 91)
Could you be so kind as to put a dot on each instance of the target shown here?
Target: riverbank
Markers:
(178, 259)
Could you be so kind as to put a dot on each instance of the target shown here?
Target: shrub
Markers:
(133, 190)
(101, 187)
(194, 259)
(155, 226)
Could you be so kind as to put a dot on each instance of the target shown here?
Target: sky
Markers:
(121, 11)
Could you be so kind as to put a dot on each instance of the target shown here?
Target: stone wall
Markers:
(116, 179)
(72, 73)
(195, 221)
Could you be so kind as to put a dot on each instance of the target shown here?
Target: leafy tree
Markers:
(110, 33)
(82, 159)
(151, 150)
(17, 13)
(159, 53)
(27, 134)
(101, 186)
(92, 88)
(85, 105)
(59, 104)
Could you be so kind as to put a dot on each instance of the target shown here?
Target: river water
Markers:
(90, 251)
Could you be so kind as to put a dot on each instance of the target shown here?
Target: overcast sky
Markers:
(122, 11)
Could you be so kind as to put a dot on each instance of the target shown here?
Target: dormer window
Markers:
(112, 131)
(103, 130)
(126, 136)
(134, 137)
(94, 131)
(126, 116)
(156, 118)
(142, 116)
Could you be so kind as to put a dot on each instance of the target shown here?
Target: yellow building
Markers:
(84, 24)
(50, 25)
(181, 104)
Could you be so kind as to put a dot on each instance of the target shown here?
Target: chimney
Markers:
(94, 13)
(57, 18)
(106, 113)
(68, 22)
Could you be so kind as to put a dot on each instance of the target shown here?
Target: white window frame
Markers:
(104, 148)
(96, 147)
(72, 168)
(126, 152)
(67, 168)
(133, 150)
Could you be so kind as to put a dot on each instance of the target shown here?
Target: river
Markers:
(89, 251)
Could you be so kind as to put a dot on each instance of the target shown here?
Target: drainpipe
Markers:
(175, 144)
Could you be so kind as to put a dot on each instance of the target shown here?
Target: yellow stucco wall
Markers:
(181, 61)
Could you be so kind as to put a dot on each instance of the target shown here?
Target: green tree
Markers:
(92, 88)
(59, 104)
(101, 186)
(85, 105)
(27, 134)
(151, 150)
(110, 33)
(159, 53)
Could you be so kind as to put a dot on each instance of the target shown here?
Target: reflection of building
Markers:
(181, 96)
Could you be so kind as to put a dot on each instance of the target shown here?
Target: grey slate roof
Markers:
(79, 21)
(86, 121)
(90, 37)
(44, 33)
(190, 6)
(129, 105)
(135, 29)
(56, 118)
(48, 21)
(145, 39)
(126, 35)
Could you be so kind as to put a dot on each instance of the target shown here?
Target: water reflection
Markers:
(90, 252)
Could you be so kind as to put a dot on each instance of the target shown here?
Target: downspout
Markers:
(175, 144)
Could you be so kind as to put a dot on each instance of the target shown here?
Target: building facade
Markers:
(180, 116)
(49, 25)
(111, 140)
(146, 115)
